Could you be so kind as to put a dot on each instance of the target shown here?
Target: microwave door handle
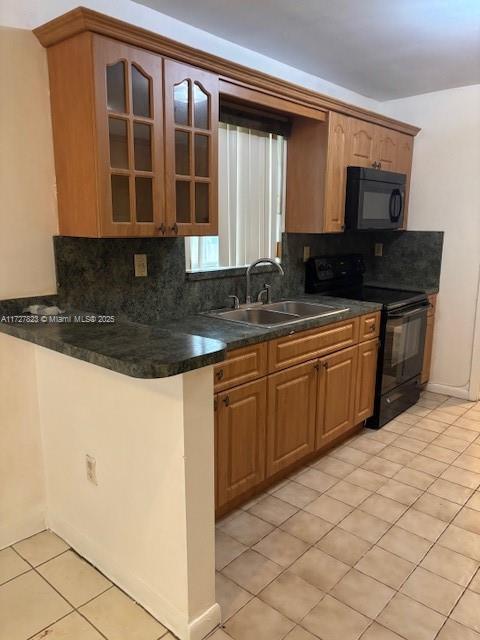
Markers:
(395, 196)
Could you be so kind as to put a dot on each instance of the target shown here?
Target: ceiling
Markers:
(383, 49)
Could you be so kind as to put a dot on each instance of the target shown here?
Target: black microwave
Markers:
(375, 199)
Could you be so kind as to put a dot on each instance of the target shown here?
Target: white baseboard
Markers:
(135, 587)
(27, 526)
(457, 392)
(205, 623)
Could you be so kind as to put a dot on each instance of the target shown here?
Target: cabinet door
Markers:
(336, 173)
(386, 148)
(240, 423)
(366, 378)
(191, 141)
(427, 353)
(291, 416)
(336, 394)
(403, 164)
(362, 143)
(129, 121)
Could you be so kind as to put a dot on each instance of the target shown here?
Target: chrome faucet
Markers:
(254, 264)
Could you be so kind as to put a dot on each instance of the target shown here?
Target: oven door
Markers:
(380, 205)
(403, 345)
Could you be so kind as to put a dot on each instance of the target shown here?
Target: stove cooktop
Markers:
(387, 297)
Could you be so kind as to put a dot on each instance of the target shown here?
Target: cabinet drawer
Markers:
(241, 365)
(294, 349)
(369, 326)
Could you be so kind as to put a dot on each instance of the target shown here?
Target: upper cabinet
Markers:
(191, 143)
(317, 161)
(129, 139)
(135, 140)
(135, 128)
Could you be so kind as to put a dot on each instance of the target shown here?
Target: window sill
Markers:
(227, 272)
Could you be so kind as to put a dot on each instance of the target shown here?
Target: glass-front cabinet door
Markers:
(191, 130)
(129, 117)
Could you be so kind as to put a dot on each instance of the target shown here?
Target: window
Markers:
(251, 201)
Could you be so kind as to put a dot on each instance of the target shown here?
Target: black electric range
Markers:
(402, 330)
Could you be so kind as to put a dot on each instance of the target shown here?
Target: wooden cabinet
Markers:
(427, 353)
(362, 146)
(240, 438)
(291, 416)
(335, 173)
(318, 157)
(336, 395)
(318, 385)
(290, 350)
(240, 366)
(191, 150)
(107, 115)
(131, 161)
(366, 378)
(369, 326)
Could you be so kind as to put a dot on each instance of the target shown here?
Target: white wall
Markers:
(28, 213)
(27, 14)
(148, 523)
(445, 196)
(22, 492)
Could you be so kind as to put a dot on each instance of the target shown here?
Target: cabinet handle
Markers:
(373, 328)
(316, 366)
(219, 374)
(174, 228)
(162, 228)
(374, 165)
(226, 401)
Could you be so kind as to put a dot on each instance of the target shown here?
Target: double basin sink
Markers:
(277, 313)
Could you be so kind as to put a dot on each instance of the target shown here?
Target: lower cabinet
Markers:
(366, 379)
(240, 439)
(291, 415)
(266, 425)
(336, 394)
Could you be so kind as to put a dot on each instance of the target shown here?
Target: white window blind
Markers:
(251, 201)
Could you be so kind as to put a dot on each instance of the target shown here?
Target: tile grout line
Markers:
(408, 507)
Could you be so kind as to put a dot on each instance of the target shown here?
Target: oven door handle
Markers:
(409, 314)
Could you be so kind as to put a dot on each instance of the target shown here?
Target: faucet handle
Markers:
(267, 288)
(236, 302)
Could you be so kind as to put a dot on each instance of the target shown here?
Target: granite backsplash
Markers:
(97, 274)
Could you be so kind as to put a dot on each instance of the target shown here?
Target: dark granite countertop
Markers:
(161, 350)
(235, 335)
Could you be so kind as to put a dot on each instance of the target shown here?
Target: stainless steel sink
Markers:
(304, 309)
(255, 315)
(277, 313)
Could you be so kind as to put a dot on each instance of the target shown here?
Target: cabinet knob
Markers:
(316, 366)
(219, 374)
(174, 228)
(226, 401)
(162, 228)
(373, 328)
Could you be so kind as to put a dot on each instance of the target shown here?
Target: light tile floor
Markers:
(378, 540)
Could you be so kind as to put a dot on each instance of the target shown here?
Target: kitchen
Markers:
(126, 438)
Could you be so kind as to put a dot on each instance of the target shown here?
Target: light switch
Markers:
(140, 262)
(378, 249)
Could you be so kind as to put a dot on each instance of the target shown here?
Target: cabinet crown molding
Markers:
(82, 19)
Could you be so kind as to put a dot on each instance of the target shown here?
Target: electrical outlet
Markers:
(306, 253)
(91, 464)
(140, 263)
(378, 249)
